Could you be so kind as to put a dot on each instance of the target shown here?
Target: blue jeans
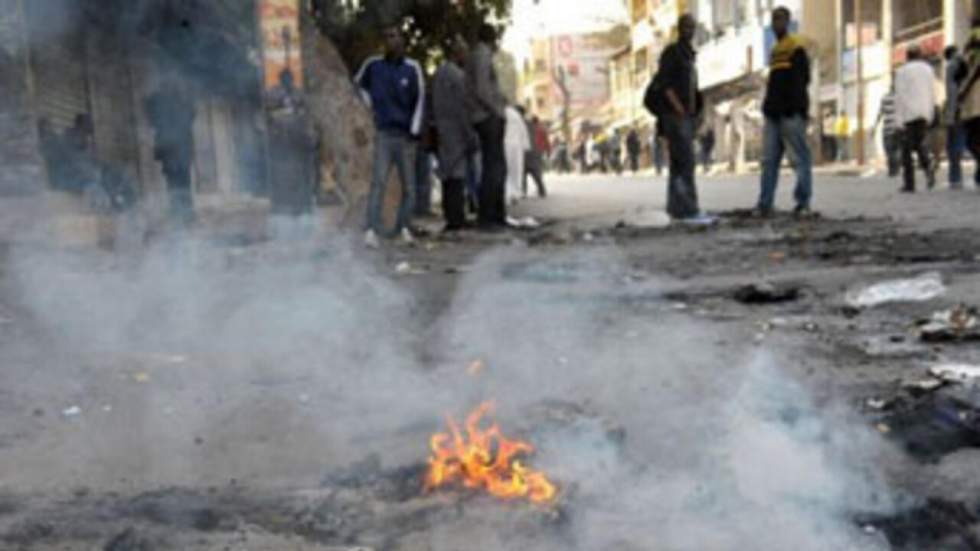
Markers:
(682, 191)
(391, 148)
(778, 136)
(955, 145)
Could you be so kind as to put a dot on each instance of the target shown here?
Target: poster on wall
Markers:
(281, 53)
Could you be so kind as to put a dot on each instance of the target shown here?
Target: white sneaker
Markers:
(407, 237)
(371, 240)
(700, 220)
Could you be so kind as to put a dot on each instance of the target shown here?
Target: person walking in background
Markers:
(681, 104)
(968, 97)
(891, 134)
(393, 87)
(534, 159)
(457, 140)
(487, 108)
(955, 137)
(633, 150)
(707, 144)
(516, 145)
(915, 107)
(786, 109)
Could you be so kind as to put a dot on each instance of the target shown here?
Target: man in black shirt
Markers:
(786, 109)
(683, 104)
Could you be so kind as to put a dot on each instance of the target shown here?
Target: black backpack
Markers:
(654, 99)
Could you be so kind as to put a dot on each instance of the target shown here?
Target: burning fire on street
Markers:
(479, 458)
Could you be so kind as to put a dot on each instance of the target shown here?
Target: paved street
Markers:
(605, 198)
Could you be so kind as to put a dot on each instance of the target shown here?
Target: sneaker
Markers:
(407, 236)
(371, 239)
(906, 189)
(760, 212)
(802, 212)
(700, 219)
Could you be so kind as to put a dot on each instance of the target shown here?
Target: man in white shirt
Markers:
(915, 106)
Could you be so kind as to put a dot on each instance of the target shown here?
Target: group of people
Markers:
(486, 150)
(674, 98)
(909, 111)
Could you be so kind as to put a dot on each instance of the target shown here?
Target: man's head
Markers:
(914, 52)
(780, 21)
(394, 41)
(686, 26)
(950, 52)
(457, 49)
(487, 34)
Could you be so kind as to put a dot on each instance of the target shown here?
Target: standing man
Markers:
(955, 135)
(786, 110)
(891, 135)
(171, 113)
(968, 97)
(393, 86)
(487, 105)
(915, 103)
(457, 140)
(633, 150)
(679, 77)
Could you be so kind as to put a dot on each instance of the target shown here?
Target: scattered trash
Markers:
(73, 411)
(406, 268)
(879, 404)
(777, 256)
(107, 408)
(883, 428)
(588, 237)
(527, 222)
(475, 368)
(645, 219)
(304, 398)
(924, 386)
(957, 324)
(766, 293)
(891, 346)
(141, 377)
(925, 287)
(955, 373)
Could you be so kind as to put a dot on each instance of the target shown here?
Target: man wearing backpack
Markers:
(673, 97)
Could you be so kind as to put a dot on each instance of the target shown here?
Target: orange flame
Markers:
(485, 459)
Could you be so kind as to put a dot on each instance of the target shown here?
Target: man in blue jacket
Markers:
(393, 86)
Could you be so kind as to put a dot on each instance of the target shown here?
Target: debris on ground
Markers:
(920, 289)
(645, 219)
(73, 411)
(407, 268)
(766, 293)
(923, 386)
(526, 222)
(956, 324)
(956, 373)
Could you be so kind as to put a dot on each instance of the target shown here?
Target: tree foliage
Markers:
(354, 26)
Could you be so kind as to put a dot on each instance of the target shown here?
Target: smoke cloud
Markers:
(279, 363)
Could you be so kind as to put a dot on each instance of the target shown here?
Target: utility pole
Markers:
(859, 81)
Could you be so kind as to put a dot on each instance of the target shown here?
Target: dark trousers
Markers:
(492, 205)
(454, 203)
(423, 182)
(915, 141)
(682, 193)
(179, 192)
(634, 162)
(954, 152)
(534, 167)
(892, 142)
(972, 127)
